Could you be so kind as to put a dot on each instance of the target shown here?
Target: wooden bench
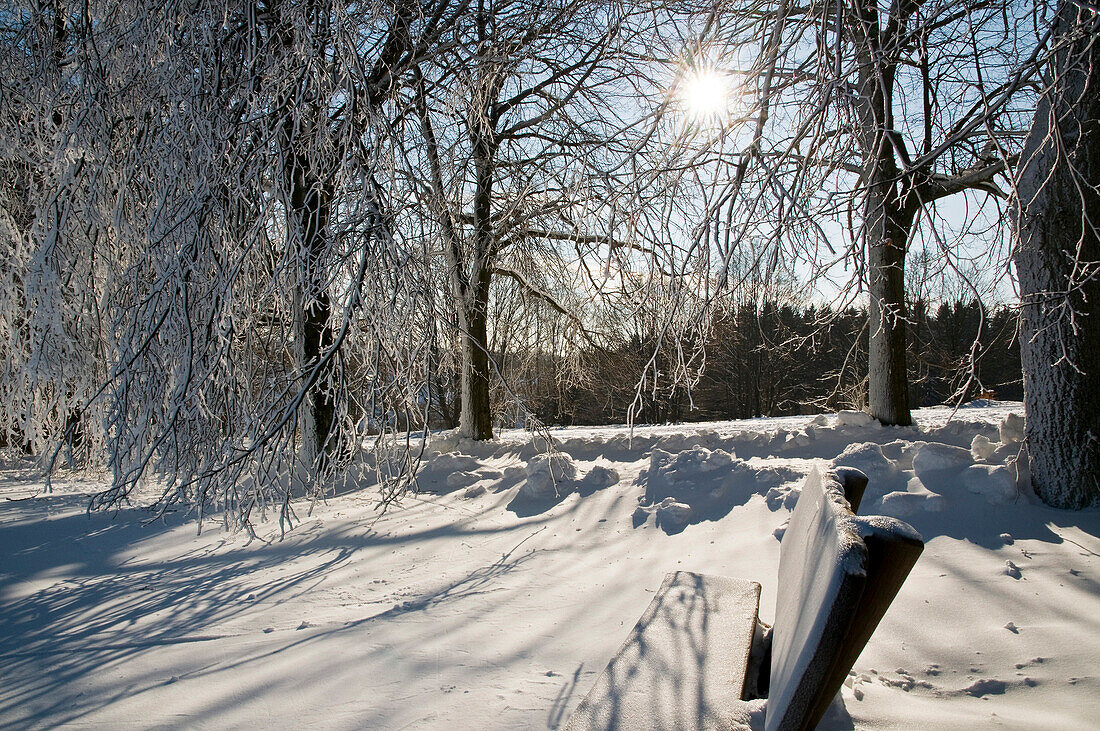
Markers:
(698, 652)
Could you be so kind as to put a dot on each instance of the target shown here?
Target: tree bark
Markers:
(476, 421)
(310, 203)
(1057, 255)
(469, 284)
(887, 220)
(888, 226)
(475, 417)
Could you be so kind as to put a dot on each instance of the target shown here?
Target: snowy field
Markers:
(487, 601)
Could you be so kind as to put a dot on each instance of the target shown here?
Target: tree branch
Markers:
(979, 178)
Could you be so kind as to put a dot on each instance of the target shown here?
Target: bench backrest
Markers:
(838, 573)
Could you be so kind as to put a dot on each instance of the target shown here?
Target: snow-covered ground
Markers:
(494, 597)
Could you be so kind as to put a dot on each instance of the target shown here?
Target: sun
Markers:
(705, 94)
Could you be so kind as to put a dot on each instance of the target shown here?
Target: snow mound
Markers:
(455, 480)
(783, 496)
(939, 466)
(994, 482)
(853, 418)
(445, 441)
(447, 472)
(1011, 429)
(453, 462)
(900, 453)
(903, 504)
(687, 464)
(709, 482)
(674, 516)
(883, 474)
(905, 478)
(549, 476)
(981, 448)
(598, 478)
(513, 473)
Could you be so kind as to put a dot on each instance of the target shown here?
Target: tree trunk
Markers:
(444, 394)
(309, 208)
(886, 222)
(471, 294)
(320, 404)
(475, 418)
(1057, 252)
(888, 229)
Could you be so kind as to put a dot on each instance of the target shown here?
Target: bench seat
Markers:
(684, 663)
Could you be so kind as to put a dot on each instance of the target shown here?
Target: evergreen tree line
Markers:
(767, 360)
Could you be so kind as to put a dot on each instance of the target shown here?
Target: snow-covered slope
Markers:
(494, 597)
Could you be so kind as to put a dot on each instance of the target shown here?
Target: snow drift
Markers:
(495, 596)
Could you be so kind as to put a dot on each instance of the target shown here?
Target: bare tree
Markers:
(207, 227)
(1058, 264)
(514, 120)
(866, 115)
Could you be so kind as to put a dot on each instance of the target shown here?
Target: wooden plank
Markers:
(838, 574)
(683, 666)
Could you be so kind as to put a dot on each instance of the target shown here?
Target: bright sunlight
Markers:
(705, 93)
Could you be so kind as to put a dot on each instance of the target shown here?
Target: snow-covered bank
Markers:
(493, 598)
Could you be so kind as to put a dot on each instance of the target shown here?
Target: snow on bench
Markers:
(684, 662)
(687, 662)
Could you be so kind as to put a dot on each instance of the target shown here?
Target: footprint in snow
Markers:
(904, 681)
(1032, 661)
(986, 686)
(854, 681)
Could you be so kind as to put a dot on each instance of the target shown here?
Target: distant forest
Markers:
(770, 360)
